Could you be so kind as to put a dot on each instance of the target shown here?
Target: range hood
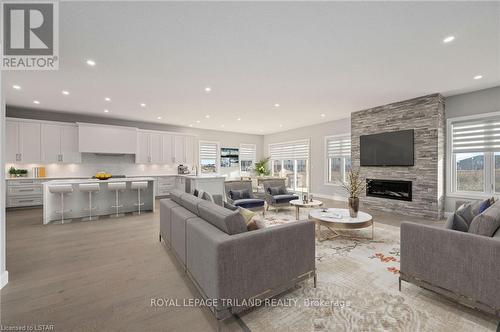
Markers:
(106, 139)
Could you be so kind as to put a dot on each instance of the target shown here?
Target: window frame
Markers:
(308, 162)
(326, 160)
(451, 172)
(254, 160)
(217, 161)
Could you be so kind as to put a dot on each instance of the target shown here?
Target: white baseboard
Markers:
(334, 197)
(4, 279)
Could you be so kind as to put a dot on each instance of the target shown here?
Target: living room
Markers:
(255, 166)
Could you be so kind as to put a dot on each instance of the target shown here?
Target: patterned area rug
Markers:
(357, 290)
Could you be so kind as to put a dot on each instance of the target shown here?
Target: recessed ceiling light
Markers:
(208, 89)
(281, 125)
(91, 62)
(36, 102)
(64, 92)
(222, 126)
(159, 118)
(238, 119)
(207, 116)
(143, 105)
(17, 87)
(449, 39)
(107, 99)
(191, 125)
(478, 77)
(106, 111)
(197, 121)
(322, 115)
(276, 105)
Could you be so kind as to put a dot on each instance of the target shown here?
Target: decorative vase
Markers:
(353, 206)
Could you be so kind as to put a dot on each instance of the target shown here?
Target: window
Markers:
(338, 158)
(209, 157)
(291, 161)
(247, 157)
(474, 155)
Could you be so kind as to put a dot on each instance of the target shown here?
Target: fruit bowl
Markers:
(103, 176)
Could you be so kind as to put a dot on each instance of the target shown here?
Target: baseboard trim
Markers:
(334, 197)
(4, 279)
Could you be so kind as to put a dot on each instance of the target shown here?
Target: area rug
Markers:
(357, 290)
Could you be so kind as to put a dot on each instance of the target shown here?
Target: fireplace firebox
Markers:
(391, 189)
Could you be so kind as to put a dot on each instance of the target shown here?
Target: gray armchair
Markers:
(276, 193)
(239, 193)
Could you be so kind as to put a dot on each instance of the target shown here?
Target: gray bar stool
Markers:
(139, 185)
(61, 189)
(117, 186)
(89, 188)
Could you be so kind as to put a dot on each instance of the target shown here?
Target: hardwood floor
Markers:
(100, 276)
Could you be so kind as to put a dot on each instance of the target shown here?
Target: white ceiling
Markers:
(311, 58)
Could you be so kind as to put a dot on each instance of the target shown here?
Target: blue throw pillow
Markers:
(484, 206)
(239, 194)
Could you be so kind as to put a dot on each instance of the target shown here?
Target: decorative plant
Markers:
(354, 185)
(17, 172)
(12, 170)
(260, 167)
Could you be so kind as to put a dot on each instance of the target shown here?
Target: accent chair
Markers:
(276, 193)
(239, 193)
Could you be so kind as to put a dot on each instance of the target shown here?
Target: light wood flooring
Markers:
(101, 275)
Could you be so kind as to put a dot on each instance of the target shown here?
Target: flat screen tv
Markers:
(387, 149)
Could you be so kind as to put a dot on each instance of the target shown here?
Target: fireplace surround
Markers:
(390, 189)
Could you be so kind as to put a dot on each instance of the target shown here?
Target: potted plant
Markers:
(12, 172)
(354, 186)
(260, 167)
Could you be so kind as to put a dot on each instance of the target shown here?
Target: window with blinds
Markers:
(475, 155)
(338, 158)
(208, 156)
(289, 150)
(247, 156)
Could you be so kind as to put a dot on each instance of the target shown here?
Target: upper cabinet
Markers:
(60, 143)
(154, 147)
(149, 147)
(23, 141)
(179, 149)
(97, 138)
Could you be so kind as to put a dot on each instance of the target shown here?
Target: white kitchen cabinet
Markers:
(60, 143)
(149, 147)
(23, 141)
(167, 148)
(98, 138)
(180, 183)
(190, 151)
(179, 149)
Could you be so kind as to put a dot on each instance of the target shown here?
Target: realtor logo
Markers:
(30, 35)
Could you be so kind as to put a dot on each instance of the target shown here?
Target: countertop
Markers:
(78, 181)
(49, 178)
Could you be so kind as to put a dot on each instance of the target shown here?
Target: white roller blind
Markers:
(476, 136)
(289, 150)
(208, 150)
(338, 146)
(247, 152)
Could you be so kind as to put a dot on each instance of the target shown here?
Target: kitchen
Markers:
(71, 153)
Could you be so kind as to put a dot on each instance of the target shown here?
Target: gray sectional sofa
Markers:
(227, 262)
(458, 264)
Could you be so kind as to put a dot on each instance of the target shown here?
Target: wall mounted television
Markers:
(387, 149)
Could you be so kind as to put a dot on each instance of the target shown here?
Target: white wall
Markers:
(4, 276)
(125, 164)
(316, 134)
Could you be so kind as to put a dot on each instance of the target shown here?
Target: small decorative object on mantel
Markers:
(15, 173)
(354, 187)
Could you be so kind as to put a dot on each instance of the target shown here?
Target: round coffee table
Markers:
(338, 219)
(298, 203)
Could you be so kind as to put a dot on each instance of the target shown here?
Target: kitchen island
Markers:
(76, 203)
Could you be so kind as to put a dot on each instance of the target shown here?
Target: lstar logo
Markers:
(30, 35)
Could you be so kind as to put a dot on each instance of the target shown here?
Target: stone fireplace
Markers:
(425, 115)
(390, 189)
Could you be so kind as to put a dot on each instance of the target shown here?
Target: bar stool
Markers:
(90, 188)
(117, 186)
(139, 185)
(61, 189)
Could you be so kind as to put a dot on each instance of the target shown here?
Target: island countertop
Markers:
(78, 181)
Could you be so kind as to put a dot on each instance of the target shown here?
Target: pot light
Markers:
(17, 87)
(64, 92)
(448, 39)
(276, 105)
(36, 102)
(106, 111)
(107, 99)
(238, 119)
(143, 105)
(322, 115)
(191, 125)
(281, 126)
(222, 126)
(478, 77)
(208, 89)
(207, 116)
(90, 62)
(197, 121)
(159, 118)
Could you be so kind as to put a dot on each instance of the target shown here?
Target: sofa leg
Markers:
(399, 280)
(160, 237)
(315, 279)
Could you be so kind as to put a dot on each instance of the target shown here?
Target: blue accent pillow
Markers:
(484, 206)
(273, 191)
(239, 194)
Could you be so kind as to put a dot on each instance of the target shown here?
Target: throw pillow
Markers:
(208, 197)
(246, 214)
(465, 211)
(282, 190)
(255, 224)
(273, 191)
(484, 205)
(456, 223)
(195, 192)
(486, 223)
(239, 194)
